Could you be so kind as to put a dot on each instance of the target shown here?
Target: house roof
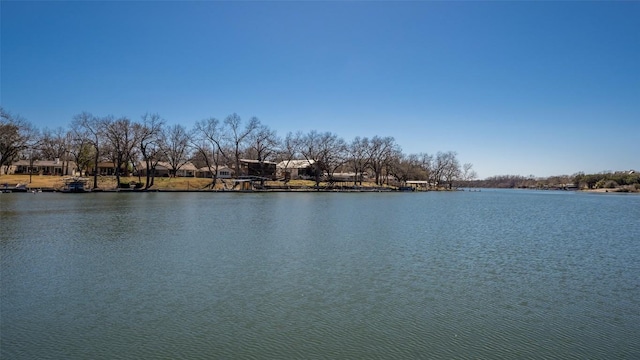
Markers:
(163, 165)
(41, 163)
(160, 166)
(295, 164)
(256, 161)
(189, 166)
(220, 168)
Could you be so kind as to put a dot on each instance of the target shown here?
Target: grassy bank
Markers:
(160, 183)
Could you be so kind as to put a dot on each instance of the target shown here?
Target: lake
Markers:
(499, 274)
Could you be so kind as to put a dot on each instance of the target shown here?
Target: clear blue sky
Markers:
(542, 88)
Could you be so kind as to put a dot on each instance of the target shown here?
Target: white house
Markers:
(223, 172)
(43, 167)
(163, 169)
(295, 169)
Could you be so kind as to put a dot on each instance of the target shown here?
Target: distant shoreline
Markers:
(107, 184)
(307, 190)
(610, 191)
(293, 190)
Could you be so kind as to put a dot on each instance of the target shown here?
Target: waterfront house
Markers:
(44, 167)
(224, 172)
(163, 169)
(187, 170)
(295, 169)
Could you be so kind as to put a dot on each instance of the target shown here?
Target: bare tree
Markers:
(289, 149)
(88, 128)
(82, 153)
(237, 135)
(263, 144)
(426, 167)
(446, 168)
(324, 151)
(149, 138)
(404, 167)
(310, 150)
(469, 174)
(206, 139)
(121, 138)
(175, 147)
(55, 144)
(358, 157)
(333, 153)
(381, 150)
(438, 165)
(17, 135)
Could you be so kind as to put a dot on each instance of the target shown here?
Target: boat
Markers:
(75, 185)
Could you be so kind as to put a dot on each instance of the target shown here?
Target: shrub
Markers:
(610, 184)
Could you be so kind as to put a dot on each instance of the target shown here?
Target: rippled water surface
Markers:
(491, 274)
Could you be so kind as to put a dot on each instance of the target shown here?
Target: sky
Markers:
(520, 88)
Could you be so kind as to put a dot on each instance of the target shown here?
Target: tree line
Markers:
(212, 143)
(604, 180)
